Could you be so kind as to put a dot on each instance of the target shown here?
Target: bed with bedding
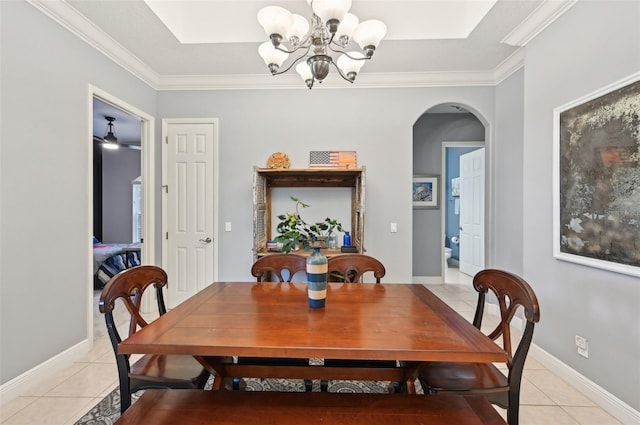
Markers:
(111, 259)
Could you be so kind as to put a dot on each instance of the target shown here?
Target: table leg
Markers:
(215, 366)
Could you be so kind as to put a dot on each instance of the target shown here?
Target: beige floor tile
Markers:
(101, 346)
(591, 416)
(112, 386)
(557, 389)
(90, 382)
(55, 380)
(533, 364)
(14, 406)
(545, 415)
(50, 411)
(531, 395)
(80, 413)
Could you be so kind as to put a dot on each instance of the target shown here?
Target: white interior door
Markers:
(472, 178)
(189, 225)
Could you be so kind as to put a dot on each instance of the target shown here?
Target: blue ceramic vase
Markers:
(317, 278)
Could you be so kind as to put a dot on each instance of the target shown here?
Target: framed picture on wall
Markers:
(425, 191)
(596, 196)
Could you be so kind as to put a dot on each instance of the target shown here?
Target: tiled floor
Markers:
(545, 399)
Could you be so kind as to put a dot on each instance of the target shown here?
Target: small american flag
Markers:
(337, 159)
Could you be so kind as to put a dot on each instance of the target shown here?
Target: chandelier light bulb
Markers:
(346, 29)
(276, 22)
(350, 67)
(298, 30)
(272, 57)
(305, 72)
(368, 35)
(331, 11)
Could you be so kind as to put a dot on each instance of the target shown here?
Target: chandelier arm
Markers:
(364, 58)
(292, 63)
(304, 44)
(340, 72)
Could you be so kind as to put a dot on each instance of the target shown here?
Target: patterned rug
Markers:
(108, 410)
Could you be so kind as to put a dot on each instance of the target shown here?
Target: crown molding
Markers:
(67, 16)
(543, 16)
(508, 66)
(291, 81)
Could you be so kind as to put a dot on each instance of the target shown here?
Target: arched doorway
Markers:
(445, 128)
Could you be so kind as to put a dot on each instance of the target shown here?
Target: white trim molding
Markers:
(67, 16)
(543, 16)
(32, 378)
(613, 405)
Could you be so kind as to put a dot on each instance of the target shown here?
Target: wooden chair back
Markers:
(272, 265)
(352, 266)
(128, 286)
(512, 292)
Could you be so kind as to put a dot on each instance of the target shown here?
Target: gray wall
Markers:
(119, 168)
(429, 131)
(256, 123)
(591, 46)
(45, 192)
(508, 222)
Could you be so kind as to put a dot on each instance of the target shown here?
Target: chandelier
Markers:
(329, 31)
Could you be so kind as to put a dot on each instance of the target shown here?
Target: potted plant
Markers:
(293, 231)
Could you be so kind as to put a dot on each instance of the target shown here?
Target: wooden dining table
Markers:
(402, 322)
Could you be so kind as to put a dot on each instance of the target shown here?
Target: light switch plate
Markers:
(394, 227)
(227, 226)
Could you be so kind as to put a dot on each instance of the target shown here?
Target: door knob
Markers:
(208, 240)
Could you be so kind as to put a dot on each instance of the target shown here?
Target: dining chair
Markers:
(151, 370)
(269, 268)
(350, 268)
(273, 265)
(513, 294)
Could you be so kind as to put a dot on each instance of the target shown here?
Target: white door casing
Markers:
(472, 191)
(189, 217)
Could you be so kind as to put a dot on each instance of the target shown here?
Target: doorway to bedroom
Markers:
(121, 200)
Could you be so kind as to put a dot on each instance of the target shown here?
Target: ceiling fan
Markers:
(109, 140)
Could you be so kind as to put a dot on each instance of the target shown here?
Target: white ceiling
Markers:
(195, 22)
(411, 55)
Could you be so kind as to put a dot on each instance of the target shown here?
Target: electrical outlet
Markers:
(583, 346)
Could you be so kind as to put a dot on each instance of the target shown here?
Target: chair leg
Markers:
(125, 395)
(308, 385)
(513, 407)
(324, 386)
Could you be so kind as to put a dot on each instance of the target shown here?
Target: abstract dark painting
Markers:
(597, 219)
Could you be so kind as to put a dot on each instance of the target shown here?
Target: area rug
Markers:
(108, 410)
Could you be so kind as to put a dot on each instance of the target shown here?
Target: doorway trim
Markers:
(148, 177)
(443, 183)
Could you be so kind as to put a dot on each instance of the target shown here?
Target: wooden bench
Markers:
(170, 407)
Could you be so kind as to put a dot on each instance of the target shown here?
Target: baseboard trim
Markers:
(33, 377)
(613, 405)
